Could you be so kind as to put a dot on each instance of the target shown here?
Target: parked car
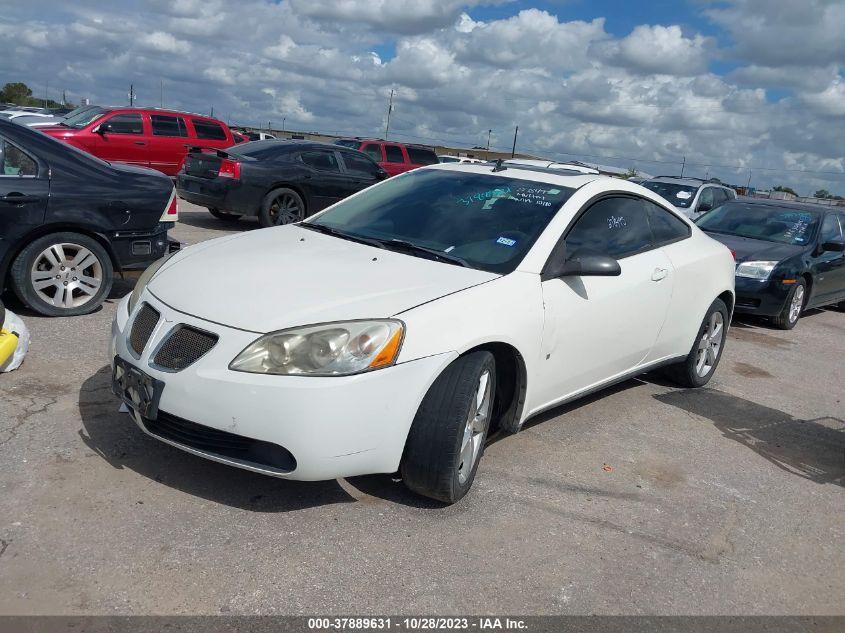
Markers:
(790, 256)
(258, 136)
(11, 115)
(37, 120)
(278, 181)
(69, 220)
(546, 164)
(447, 158)
(394, 158)
(395, 329)
(239, 138)
(692, 196)
(146, 137)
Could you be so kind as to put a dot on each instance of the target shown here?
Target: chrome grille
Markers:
(183, 347)
(142, 328)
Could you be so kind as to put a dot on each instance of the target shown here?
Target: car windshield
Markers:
(84, 117)
(679, 195)
(482, 220)
(762, 222)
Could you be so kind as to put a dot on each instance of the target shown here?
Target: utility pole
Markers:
(389, 110)
(748, 185)
(161, 93)
(515, 132)
(283, 123)
(683, 164)
(46, 88)
(489, 132)
(131, 95)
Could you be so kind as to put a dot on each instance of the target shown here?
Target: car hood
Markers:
(275, 278)
(748, 249)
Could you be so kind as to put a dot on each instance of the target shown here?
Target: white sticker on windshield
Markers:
(683, 195)
(553, 191)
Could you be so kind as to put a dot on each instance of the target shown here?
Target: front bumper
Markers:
(764, 298)
(332, 427)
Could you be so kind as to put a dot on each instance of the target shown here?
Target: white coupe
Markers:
(394, 330)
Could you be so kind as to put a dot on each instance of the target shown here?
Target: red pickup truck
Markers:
(147, 137)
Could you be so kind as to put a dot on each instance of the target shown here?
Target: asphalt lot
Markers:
(643, 499)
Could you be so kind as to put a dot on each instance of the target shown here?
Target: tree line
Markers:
(20, 94)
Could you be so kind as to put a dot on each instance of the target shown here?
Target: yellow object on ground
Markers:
(8, 343)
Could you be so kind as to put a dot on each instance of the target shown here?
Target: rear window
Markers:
(164, 125)
(209, 130)
(261, 149)
(422, 156)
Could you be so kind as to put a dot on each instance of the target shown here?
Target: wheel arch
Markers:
(511, 383)
(47, 229)
(728, 298)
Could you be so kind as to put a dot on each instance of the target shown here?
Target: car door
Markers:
(169, 142)
(394, 160)
(24, 189)
(828, 266)
(360, 171)
(598, 328)
(324, 180)
(123, 139)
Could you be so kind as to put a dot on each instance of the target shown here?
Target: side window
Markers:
(394, 154)
(209, 130)
(324, 161)
(373, 151)
(422, 156)
(359, 164)
(665, 226)
(168, 125)
(706, 198)
(720, 196)
(830, 229)
(614, 226)
(14, 162)
(125, 124)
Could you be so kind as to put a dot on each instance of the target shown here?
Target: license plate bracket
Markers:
(140, 391)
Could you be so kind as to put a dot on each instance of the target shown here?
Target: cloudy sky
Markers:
(730, 85)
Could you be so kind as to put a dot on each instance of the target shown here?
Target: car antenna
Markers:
(499, 166)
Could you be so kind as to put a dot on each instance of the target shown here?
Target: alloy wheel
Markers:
(478, 418)
(285, 209)
(66, 275)
(797, 304)
(710, 344)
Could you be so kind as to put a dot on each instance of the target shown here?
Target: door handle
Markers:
(19, 198)
(659, 273)
(140, 143)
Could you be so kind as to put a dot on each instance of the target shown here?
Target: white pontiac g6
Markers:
(394, 330)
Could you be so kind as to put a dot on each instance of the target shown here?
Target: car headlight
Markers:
(755, 270)
(144, 279)
(328, 349)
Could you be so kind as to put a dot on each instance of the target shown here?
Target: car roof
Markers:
(562, 177)
(157, 110)
(298, 143)
(788, 204)
(690, 181)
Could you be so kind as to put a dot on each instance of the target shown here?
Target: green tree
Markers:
(18, 93)
(785, 189)
(822, 193)
(631, 173)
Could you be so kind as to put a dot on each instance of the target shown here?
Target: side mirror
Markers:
(381, 174)
(584, 266)
(834, 246)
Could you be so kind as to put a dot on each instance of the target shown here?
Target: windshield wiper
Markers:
(410, 247)
(327, 230)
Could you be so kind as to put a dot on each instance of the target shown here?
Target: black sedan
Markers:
(790, 256)
(69, 220)
(278, 181)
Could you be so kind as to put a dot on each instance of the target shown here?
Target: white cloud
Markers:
(659, 49)
(162, 42)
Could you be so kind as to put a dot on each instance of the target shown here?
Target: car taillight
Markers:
(733, 252)
(171, 212)
(229, 169)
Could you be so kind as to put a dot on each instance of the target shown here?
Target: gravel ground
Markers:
(643, 499)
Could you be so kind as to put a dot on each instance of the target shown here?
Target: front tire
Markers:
(281, 206)
(63, 274)
(792, 309)
(698, 367)
(446, 440)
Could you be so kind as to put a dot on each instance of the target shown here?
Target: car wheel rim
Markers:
(710, 344)
(66, 275)
(478, 418)
(797, 304)
(285, 209)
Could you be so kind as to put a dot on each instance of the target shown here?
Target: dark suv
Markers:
(394, 158)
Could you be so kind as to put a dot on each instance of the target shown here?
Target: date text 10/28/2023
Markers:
(415, 624)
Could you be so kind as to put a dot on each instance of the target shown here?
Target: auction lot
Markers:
(643, 499)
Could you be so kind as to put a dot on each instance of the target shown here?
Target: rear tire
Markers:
(63, 274)
(281, 206)
(446, 440)
(792, 309)
(698, 367)
(224, 215)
